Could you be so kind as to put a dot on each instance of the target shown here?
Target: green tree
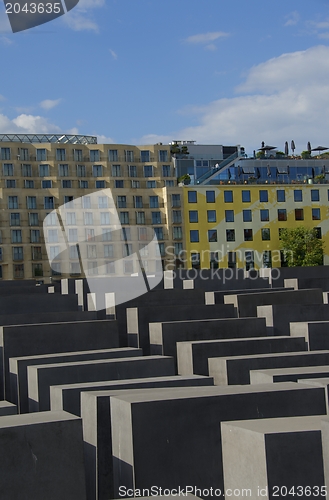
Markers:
(302, 247)
(305, 155)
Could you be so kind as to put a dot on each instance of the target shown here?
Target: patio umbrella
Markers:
(266, 148)
(320, 148)
(293, 147)
(309, 148)
(286, 148)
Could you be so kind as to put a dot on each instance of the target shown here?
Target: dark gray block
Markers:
(236, 369)
(318, 382)
(48, 317)
(47, 338)
(246, 304)
(164, 336)
(278, 317)
(218, 296)
(26, 304)
(288, 374)
(42, 457)
(41, 377)
(67, 397)
(286, 453)
(138, 319)
(171, 437)
(192, 357)
(18, 368)
(316, 333)
(96, 418)
(7, 408)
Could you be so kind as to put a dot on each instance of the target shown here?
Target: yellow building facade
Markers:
(239, 225)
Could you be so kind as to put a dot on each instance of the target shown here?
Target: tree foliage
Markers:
(302, 247)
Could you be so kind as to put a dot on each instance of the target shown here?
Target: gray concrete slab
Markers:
(25, 303)
(42, 457)
(246, 304)
(18, 368)
(47, 338)
(236, 369)
(138, 319)
(171, 437)
(96, 418)
(295, 374)
(316, 333)
(165, 335)
(279, 316)
(7, 408)
(192, 357)
(287, 456)
(46, 317)
(41, 377)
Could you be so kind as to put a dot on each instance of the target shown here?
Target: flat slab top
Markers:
(78, 322)
(175, 393)
(130, 381)
(45, 417)
(207, 320)
(271, 355)
(279, 292)
(98, 362)
(320, 322)
(318, 382)
(295, 370)
(6, 404)
(279, 425)
(243, 340)
(77, 353)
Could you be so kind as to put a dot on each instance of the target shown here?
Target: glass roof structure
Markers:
(53, 138)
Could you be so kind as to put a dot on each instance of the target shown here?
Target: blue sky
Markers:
(143, 71)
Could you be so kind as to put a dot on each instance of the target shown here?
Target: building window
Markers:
(60, 154)
(77, 154)
(69, 202)
(210, 196)
(135, 184)
(159, 232)
(94, 155)
(214, 260)
(88, 218)
(49, 202)
(105, 218)
(246, 196)
(37, 253)
(264, 215)
(46, 184)
(166, 170)
(81, 171)
(89, 234)
(231, 260)
(31, 202)
(247, 234)
(124, 217)
(41, 155)
(29, 184)
(116, 170)
(249, 259)
(86, 201)
(33, 219)
(263, 196)
(18, 253)
(177, 217)
(148, 171)
(132, 170)
(122, 201)
(299, 214)
(127, 249)
(10, 183)
(156, 217)
(193, 216)
(140, 217)
(316, 214)
(194, 236)
(211, 215)
(195, 260)
(230, 234)
(113, 154)
(97, 171)
(266, 235)
(26, 170)
(138, 201)
(175, 199)
(44, 170)
(318, 232)
(71, 219)
(8, 169)
(169, 183)
(106, 234)
(56, 269)
(315, 195)
(129, 156)
(91, 252)
(228, 196)
(282, 214)
(108, 251)
(192, 196)
(178, 248)
(177, 233)
(100, 184)
(281, 195)
(18, 270)
(73, 252)
(74, 269)
(212, 235)
(5, 153)
(151, 184)
(154, 202)
(267, 258)
(16, 236)
(23, 154)
(145, 157)
(35, 235)
(163, 155)
(142, 234)
(63, 170)
(102, 202)
(83, 184)
(298, 195)
(12, 202)
(229, 215)
(15, 219)
(247, 215)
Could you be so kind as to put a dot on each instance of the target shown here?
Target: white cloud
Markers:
(286, 98)
(50, 103)
(103, 139)
(113, 54)
(79, 19)
(205, 37)
(292, 19)
(27, 124)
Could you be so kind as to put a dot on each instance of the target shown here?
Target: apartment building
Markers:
(40, 173)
